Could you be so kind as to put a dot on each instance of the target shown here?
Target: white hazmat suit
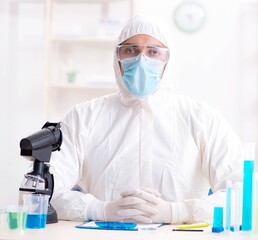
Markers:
(168, 143)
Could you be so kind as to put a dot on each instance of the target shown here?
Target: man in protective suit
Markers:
(143, 154)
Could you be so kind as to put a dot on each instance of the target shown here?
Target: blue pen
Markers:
(116, 225)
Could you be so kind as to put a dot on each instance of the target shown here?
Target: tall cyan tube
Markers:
(255, 203)
(249, 153)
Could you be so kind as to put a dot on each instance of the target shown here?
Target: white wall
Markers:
(21, 98)
(4, 139)
(217, 64)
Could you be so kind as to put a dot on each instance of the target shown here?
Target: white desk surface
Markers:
(66, 230)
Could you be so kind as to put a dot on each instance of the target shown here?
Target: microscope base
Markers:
(51, 215)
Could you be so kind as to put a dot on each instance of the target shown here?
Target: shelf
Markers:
(92, 40)
(27, 1)
(88, 1)
(83, 86)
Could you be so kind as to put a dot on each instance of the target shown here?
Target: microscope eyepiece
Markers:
(40, 144)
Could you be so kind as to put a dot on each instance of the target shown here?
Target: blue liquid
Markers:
(36, 220)
(228, 209)
(247, 195)
(116, 225)
(218, 220)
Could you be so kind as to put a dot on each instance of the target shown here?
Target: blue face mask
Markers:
(141, 75)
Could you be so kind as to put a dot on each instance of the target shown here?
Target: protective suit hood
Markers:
(137, 25)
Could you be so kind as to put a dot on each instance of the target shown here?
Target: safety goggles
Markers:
(133, 50)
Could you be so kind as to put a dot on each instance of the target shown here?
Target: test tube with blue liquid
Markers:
(237, 205)
(218, 220)
(228, 204)
(247, 208)
(217, 226)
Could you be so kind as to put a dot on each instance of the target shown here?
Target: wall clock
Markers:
(189, 16)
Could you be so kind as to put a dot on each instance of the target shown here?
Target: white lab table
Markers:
(66, 230)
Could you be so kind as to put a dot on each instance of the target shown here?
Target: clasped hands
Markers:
(139, 205)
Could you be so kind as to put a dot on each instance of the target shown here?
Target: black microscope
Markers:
(38, 148)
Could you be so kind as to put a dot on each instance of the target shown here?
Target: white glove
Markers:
(129, 208)
(152, 198)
